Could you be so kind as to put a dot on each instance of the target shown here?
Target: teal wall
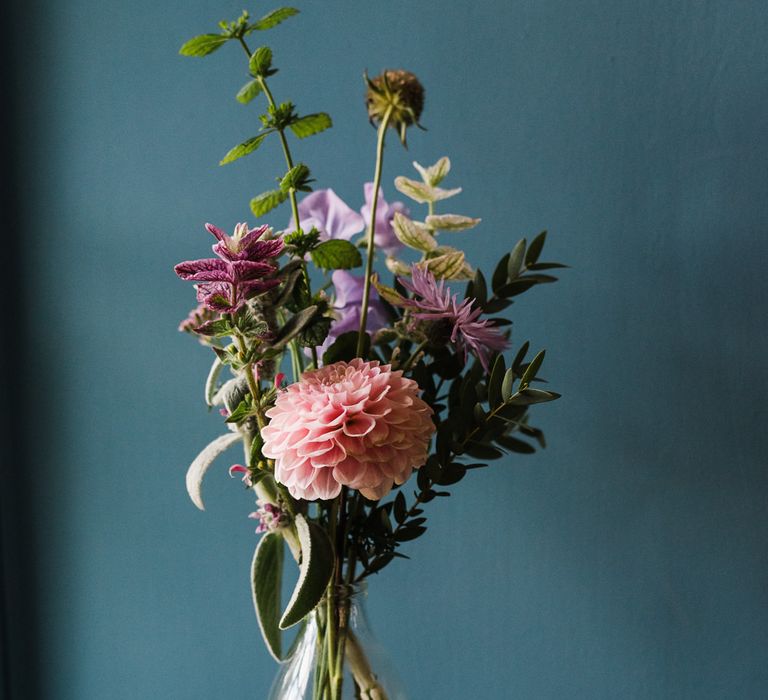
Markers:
(628, 560)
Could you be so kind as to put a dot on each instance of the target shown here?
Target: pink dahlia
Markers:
(356, 424)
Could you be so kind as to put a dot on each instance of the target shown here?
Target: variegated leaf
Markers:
(451, 222)
(397, 267)
(421, 192)
(446, 266)
(387, 293)
(434, 174)
(413, 234)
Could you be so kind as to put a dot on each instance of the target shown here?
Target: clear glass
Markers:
(368, 671)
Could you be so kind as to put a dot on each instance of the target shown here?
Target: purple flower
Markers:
(383, 234)
(238, 273)
(433, 302)
(347, 304)
(328, 213)
(270, 516)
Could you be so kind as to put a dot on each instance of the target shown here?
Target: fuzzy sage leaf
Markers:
(203, 461)
(266, 582)
(315, 571)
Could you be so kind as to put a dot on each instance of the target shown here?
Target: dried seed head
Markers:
(399, 91)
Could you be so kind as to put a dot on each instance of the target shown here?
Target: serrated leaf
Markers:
(315, 571)
(266, 582)
(336, 254)
(315, 333)
(532, 369)
(495, 382)
(202, 45)
(516, 258)
(295, 178)
(211, 381)
(413, 234)
(534, 250)
(203, 461)
(311, 124)
(243, 149)
(250, 90)
(218, 328)
(267, 201)
(434, 174)
(272, 19)
(445, 266)
(451, 222)
(260, 61)
(421, 192)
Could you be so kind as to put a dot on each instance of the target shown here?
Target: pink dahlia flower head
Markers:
(356, 424)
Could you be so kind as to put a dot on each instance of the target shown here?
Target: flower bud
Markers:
(398, 91)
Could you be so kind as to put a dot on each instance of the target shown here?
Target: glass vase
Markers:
(367, 674)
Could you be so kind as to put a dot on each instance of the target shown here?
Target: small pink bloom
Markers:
(356, 424)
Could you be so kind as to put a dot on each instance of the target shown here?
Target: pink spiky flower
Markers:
(356, 424)
(433, 301)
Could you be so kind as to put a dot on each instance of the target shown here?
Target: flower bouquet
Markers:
(398, 384)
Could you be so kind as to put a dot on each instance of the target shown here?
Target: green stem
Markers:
(371, 228)
(289, 163)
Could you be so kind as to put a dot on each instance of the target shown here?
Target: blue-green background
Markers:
(627, 560)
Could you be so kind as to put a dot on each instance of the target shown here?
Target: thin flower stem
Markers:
(372, 227)
(289, 163)
(414, 356)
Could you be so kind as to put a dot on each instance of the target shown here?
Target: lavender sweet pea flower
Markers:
(383, 234)
(348, 298)
(328, 213)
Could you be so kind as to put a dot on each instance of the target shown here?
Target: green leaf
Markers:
(203, 461)
(506, 385)
(266, 582)
(297, 323)
(241, 412)
(203, 45)
(521, 353)
(530, 371)
(315, 571)
(211, 381)
(315, 333)
(413, 234)
(529, 396)
(451, 222)
(296, 178)
(336, 254)
(535, 248)
(311, 124)
(495, 382)
(481, 451)
(272, 19)
(515, 445)
(399, 507)
(260, 61)
(515, 261)
(243, 149)
(479, 289)
(215, 329)
(267, 201)
(499, 278)
(546, 266)
(250, 90)
(345, 347)
(434, 174)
